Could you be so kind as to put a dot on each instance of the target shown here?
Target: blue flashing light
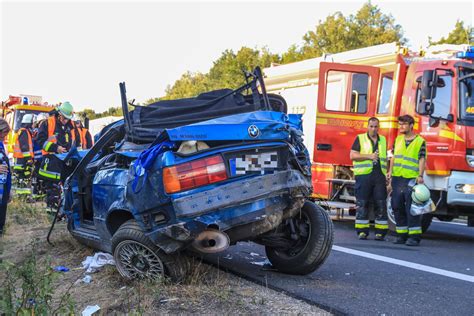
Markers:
(468, 54)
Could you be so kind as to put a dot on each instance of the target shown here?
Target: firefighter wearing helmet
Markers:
(407, 166)
(369, 157)
(83, 135)
(23, 147)
(56, 135)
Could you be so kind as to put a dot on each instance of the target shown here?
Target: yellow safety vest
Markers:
(366, 166)
(406, 162)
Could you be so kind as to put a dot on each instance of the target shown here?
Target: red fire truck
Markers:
(387, 81)
(15, 107)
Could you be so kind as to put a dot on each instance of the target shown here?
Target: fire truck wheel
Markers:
(137, 257)
(390, 216)
(314, 237)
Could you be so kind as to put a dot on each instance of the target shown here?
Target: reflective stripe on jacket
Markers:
(406, 162)
(366, 166)
(52, 139)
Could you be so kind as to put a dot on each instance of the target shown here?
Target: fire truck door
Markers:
(440, 138)
(346, 99)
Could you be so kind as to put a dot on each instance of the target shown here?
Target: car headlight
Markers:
(465, 188)
(470, 160)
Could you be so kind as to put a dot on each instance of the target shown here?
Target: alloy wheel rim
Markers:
(135, 260)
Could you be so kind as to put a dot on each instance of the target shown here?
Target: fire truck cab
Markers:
(16, 107)
(436, 89)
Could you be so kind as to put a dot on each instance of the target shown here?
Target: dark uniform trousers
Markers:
(371, 189)
(407, 224)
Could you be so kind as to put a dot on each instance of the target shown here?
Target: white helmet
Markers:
(420, 194)
(41, 116)
(76, 118)
(27, 119)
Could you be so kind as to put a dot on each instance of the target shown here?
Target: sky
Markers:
(80, 51)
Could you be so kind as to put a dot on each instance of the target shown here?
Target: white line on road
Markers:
(407, 264)
(450, 223)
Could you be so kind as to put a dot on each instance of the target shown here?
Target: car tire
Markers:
(314, 248)
(137, 257)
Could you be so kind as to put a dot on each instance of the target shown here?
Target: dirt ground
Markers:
(206, 290)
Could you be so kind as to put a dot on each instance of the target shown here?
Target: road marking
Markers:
(416, 266)
(450, 223)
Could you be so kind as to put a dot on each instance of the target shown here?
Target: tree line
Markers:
(337, 33)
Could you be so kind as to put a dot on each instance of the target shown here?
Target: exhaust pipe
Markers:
(211, 241)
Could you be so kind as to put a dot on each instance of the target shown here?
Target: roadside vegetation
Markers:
(337, 33)
(30, 284)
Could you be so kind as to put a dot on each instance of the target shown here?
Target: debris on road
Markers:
(61, 269)
(90, 310)
(94, 263)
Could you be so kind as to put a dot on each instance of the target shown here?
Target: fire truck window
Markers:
(385, 93)
(347, 91)
(442, 101)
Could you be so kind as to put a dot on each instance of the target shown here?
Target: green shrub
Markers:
(28, 289)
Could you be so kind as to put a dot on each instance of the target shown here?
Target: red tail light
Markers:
(194, 174)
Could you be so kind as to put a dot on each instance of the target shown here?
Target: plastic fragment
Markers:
(61, 269)
(89, 310)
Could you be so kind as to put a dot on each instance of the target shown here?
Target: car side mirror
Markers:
(427, 108)
(450, 118)
(434, 121)
(429, 83)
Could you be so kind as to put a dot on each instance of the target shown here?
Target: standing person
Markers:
(56, 135)
(5, 175)
(83, 133)
(37, 152)
(406, 168)
(369, 156)
(23, 147)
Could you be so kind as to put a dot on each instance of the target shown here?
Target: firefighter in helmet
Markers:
(23, 147)
(56, 135)
(369, 156)
(83, 135)
(407, 167)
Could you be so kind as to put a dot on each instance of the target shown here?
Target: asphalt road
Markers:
(376, 278)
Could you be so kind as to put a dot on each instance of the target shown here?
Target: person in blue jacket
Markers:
(5, 175)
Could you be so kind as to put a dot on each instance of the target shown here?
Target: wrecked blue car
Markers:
(199, 174)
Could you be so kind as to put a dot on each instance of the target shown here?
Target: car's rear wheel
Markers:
(311, 241)
(137, 257)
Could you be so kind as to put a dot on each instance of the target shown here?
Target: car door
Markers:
(346, 99)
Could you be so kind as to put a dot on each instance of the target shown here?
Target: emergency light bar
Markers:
(468, 54)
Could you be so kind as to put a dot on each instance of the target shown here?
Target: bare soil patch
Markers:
(206, 290)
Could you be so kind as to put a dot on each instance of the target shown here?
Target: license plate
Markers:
(256, 163)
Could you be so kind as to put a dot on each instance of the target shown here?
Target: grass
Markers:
(29, 284)
(29, 261)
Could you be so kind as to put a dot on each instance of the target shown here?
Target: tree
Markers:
(189, 85)
(226, 72)
(368, 27)
(460, 35)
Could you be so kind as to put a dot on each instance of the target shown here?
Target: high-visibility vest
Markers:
(366, 166)
(52, 136)
(82, 135)
(17, 153)
(405, 163)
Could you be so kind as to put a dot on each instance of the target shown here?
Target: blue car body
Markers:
(245, 205)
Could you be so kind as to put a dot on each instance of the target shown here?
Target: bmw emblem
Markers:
(253, 131)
